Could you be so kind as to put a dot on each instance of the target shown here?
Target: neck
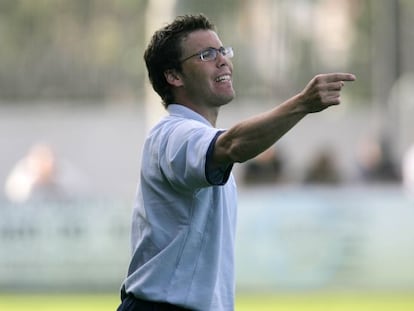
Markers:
(210, 113)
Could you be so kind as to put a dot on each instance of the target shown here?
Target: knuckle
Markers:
(318, 78)
(319, 88)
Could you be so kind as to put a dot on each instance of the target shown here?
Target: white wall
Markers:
(102, 143)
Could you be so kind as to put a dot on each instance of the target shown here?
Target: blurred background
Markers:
(329, 207)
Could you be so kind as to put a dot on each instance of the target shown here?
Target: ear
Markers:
(173, 77)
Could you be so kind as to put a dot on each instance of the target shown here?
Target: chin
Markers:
(231, 96)
(225, 100)
(223, 97)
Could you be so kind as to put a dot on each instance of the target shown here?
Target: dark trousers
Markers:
(131, 303)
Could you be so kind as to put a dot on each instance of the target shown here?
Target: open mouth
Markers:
(223, 78)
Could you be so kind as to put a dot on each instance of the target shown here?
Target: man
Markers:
(183, 227)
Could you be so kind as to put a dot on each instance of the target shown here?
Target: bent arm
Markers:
(249, 138)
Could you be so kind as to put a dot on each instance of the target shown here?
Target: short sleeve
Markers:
(183, 160)
(220, 175)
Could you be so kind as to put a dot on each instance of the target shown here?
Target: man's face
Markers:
(207, 83)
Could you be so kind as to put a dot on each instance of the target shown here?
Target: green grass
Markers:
(328, 302)
(289, 302)
(59, 302)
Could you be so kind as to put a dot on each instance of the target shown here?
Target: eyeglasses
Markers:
(210, 54)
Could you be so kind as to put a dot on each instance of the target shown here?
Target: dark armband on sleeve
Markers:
(219, 175)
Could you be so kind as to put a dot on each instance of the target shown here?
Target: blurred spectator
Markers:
(375, 162)
(38, 177)
(267, 167)
(34, 175)
(323, 169)
(408, 170)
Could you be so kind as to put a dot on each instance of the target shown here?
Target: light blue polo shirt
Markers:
(184, 220)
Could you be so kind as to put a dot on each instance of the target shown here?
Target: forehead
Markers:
(200, 39)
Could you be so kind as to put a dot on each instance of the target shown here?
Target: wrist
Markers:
(297, 105)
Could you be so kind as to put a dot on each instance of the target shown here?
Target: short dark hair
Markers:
(164, 51)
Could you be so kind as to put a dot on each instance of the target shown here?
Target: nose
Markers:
(222, 60)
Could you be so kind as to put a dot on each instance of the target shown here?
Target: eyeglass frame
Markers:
(227, 50)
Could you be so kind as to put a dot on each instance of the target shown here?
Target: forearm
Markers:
(250, 137)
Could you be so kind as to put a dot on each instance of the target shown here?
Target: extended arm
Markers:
(250, 137)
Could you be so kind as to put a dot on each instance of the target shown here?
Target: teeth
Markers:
(223, 78)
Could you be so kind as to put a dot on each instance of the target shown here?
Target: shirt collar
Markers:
(185, 112)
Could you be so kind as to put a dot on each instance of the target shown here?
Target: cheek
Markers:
(199, 80)
(197, 86)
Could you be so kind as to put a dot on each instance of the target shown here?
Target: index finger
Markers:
(333, 77)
